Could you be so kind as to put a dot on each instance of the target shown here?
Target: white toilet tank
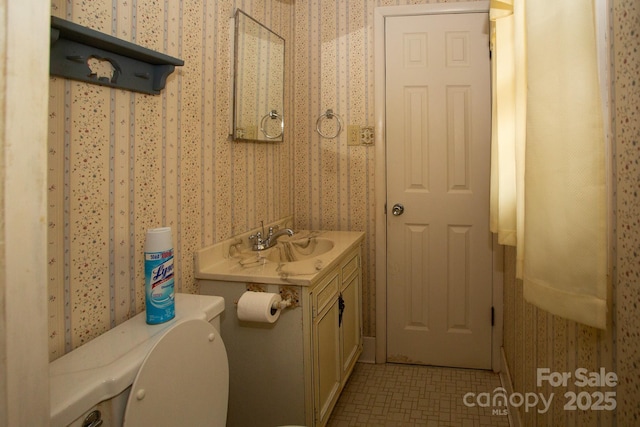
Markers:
(136, 371)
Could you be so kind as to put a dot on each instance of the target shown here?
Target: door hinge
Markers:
(493, 316)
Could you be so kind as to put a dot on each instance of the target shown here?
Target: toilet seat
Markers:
(182, 381)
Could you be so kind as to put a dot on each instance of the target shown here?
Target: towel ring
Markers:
(329, 115)
(273, 114)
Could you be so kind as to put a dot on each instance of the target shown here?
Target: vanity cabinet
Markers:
(336, 333)
(291, 372)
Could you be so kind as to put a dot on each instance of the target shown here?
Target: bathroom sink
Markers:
(299, 259)
(287, 250)
(292, 250)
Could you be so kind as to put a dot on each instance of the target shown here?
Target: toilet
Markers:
(137, 375)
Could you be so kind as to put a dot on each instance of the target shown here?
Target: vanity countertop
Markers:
(232, 260)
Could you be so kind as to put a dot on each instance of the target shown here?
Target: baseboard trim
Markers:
(507, 384)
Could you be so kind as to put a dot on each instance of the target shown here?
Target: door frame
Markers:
(380, 14)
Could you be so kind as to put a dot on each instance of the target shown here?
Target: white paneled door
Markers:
(439, 247)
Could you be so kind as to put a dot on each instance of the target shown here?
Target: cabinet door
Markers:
(326, 362)
(350, 328)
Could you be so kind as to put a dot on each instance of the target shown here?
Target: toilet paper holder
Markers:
(289, 295)
(277, 305)
(261, 307)
(282, 304)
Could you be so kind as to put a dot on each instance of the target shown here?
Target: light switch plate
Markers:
(353, 135)
(251, 132)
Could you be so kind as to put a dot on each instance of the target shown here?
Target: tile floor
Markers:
(391, 395)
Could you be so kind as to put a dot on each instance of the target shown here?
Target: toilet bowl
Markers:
(137, 375)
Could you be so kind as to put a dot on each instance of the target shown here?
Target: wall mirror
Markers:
(258, 110)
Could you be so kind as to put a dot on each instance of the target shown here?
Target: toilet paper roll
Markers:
(258, 307)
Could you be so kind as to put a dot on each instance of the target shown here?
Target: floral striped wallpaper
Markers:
(334, 70)
(626, 130)
(120, 163)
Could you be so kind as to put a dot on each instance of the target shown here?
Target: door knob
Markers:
(398, 209)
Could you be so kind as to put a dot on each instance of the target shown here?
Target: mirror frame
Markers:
(275, 132)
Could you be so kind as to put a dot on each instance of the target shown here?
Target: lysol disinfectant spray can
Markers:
(158, 276)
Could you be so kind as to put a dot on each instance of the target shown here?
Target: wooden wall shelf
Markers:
(87, 55)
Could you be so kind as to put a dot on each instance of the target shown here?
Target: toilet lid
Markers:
(184, 380)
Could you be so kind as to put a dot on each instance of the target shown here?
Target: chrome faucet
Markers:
(272, 238)
(260, 244)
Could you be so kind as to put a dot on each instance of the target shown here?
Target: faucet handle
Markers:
(272, 229)
(258, 243)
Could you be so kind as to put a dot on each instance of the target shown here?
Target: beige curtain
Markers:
(565, 198)
(509, 123)
(503, 183)
(560, 218)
